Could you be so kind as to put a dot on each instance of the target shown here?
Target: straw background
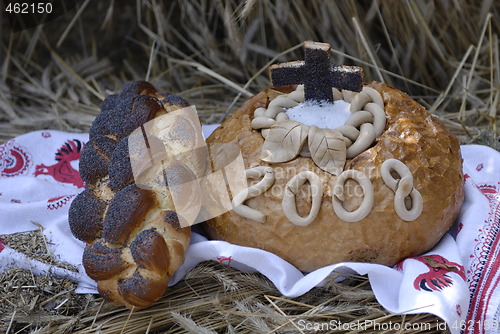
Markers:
(215, 54)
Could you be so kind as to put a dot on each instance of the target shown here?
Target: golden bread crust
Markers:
(412, 136)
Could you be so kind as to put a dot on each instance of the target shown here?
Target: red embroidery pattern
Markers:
(438, 277)
(222, 259)
(62, 171)
(57, 202)
(484, 276)
(458, 309)
(14, 159)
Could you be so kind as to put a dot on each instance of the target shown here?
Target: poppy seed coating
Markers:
(125, 213)
(131, 114)
(102, 262)
(171, 218)
(128, 114)
(316, 73)
(140, 290)
(137, 88)
(86, 215)
(150, 251)
(175, 100)
(110, 102)
(94, 160)
(120, 170)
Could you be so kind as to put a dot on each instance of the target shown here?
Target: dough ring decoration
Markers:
(366, 123)
(403, 189)
(361, 171)
(134, 238)
(267, 181)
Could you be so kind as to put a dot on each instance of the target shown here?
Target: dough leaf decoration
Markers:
(284, 141)
(328, 149)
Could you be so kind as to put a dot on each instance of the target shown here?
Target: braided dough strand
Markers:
(359, 101)
(367, 135)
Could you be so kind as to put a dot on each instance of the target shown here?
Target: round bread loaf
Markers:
(134, 239)
(411, 137)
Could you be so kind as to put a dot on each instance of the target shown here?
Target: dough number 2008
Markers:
(29, 8)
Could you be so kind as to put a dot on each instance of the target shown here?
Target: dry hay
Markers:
(215, 54)
(36, 300)
(214, 298)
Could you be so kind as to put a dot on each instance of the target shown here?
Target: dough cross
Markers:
(316, 73)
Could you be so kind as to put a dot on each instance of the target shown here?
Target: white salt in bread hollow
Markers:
(134, 240)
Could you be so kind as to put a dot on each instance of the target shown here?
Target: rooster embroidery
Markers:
(62, 171)
(438, 276)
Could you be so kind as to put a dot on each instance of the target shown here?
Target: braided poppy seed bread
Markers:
(134, 239)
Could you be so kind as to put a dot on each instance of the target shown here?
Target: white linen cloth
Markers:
(458, 280)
